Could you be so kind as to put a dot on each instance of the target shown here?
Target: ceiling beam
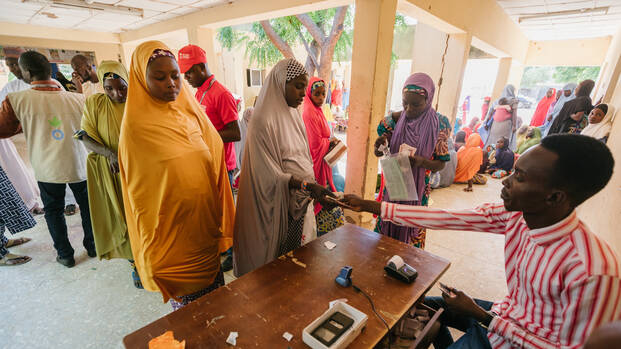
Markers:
(487, 22)
(232, 13)
(41, 32)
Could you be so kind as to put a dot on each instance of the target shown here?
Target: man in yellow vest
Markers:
(49, 116)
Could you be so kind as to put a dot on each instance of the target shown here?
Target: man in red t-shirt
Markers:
(220, 106)
(218, 102)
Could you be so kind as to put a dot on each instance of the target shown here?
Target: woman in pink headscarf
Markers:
(539, 117)
(320, 142)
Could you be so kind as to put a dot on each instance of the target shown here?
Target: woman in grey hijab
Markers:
(277, 182)
(505, 128)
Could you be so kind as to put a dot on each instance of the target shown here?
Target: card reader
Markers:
(398, 269)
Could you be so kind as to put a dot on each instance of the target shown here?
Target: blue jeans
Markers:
(475, 336)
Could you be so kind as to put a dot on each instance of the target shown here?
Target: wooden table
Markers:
(283, 296)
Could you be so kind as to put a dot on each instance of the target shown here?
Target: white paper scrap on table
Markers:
(288, 336)
(232, 340)
(329, 245)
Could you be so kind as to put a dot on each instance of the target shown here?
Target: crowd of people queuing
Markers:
(156, 185)
(505, 138)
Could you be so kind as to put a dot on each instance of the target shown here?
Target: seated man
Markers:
(563, 280)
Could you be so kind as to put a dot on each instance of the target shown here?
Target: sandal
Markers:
(70, 210)
(12, 259)
(16, 242)
(37, 211)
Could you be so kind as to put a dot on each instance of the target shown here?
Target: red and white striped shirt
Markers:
(563, 280)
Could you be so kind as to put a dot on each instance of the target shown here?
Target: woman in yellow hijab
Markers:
(101, 128)
(178, 201)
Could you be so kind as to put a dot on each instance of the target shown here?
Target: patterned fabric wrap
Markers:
(161, 53)
(293, 239)
(14, 215)
(499, 174)
(295, 69)
(328, 220)
(187, 299)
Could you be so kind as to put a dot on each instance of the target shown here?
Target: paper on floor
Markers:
(232, 340)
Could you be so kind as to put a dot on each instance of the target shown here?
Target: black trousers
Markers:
(53, 196)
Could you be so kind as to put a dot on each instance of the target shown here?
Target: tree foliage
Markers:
(261, 51)
(534, 76)
(575, 74)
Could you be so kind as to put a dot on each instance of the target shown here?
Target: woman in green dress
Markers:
(101, 127)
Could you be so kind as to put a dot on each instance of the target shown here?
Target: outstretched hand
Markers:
(355, 202)
(461, 303)
(320, 194)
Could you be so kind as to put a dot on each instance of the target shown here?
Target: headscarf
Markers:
(469, 159)
(539, 117)
(504, 157)
(101, 120)
(601, 129)
(530, 142)
(420, 133)
(276, 148)
(100, 104)
(562, 99)
(585, 88)
(176, 191)
(318, 134)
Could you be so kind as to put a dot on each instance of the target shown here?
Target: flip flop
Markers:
(16, 242)
(12, 259)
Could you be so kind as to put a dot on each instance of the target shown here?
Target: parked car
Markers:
(525, 102)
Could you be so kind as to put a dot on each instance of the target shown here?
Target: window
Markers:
(255, 77)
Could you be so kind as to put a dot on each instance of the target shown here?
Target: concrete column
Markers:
(429, 47)
(373, 35)
(502, 77)
(515, 74)
(205, 39)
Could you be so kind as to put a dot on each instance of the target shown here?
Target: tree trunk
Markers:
(311, 67)
(327, 48)
(280, 44)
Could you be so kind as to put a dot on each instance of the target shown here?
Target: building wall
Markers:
(578, 52)
(602, 213)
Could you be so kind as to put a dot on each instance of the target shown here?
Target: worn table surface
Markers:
(284, 296)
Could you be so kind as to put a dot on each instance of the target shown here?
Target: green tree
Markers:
(536, 75)
(327, 35)
(574, 74)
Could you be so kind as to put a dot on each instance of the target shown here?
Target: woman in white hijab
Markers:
(600, 123)
(277, 182)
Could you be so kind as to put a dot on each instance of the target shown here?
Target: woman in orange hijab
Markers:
(469, 160)
(178, 201)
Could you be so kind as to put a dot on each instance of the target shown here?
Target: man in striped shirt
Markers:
(563, 280)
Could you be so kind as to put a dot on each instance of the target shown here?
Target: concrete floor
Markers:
(94, 304)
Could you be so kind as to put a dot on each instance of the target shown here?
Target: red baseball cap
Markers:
(190, 55)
